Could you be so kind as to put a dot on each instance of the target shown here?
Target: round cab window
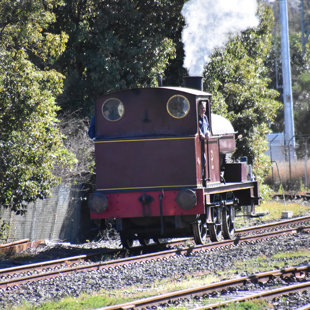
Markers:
(178, 106)
(113, 109)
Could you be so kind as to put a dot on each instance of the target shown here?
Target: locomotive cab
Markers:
(150, 176)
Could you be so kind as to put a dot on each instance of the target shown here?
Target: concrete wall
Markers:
(59, 217)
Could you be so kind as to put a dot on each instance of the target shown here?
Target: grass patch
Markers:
(277, 261)
(247, 305)
(292, 255)
(274, 210)
(82, 302)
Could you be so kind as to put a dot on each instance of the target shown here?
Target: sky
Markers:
(209, 24)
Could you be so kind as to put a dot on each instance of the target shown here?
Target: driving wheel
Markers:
(228, 216)
(200, 230)
(215, 228)
(126, 240)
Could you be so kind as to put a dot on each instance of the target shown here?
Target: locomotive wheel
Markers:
(159, 241)
(126, 240)
(200, 231)
(215, 228)
(156, 240)
(228, 216)
(144, 241)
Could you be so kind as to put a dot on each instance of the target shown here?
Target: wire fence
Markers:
(287, 172)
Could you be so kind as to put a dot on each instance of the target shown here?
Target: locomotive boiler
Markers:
(156, 178)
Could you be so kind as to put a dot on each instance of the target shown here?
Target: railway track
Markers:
(19, 246)
(292, 196)
(297, 272)
(290, 222)
(269, 294)
(14, 276)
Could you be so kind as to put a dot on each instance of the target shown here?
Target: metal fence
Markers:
(291, 173)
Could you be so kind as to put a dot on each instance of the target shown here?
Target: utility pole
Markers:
(289, 135)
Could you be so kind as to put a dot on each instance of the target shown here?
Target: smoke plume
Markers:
(209, 23)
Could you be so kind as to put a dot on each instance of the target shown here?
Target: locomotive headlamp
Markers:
(186, 199)
(98, 202)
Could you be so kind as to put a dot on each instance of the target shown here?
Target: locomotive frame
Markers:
(149, 174)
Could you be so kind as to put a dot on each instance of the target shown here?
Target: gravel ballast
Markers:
(147, 274)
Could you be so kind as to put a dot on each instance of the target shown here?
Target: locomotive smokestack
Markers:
(194, 82)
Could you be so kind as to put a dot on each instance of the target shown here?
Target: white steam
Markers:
(209, 23)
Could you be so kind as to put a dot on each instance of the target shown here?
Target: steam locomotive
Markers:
(156, 178)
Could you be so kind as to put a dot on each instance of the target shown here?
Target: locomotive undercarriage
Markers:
(213, 217)
(217, 223)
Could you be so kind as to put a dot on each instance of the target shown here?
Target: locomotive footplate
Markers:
(246, 192)
(216, 188)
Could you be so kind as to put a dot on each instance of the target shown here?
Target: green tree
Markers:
(300, 76)
(31, 145)
(301, 89)
(300, 68)
(114, 45)
(238, 79)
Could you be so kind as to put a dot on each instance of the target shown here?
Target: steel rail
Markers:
(42, 265)
(292, 196)
(156, 300)
(265, 294)
(137, 259)
(19, 246)
(295, 220)
(10, 244)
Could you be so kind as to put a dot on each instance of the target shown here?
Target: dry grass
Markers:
(291, 176)
(78, 143)
(273, 211)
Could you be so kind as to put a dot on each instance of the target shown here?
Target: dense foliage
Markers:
(31, 145)
(114, 45)
(58, 56)
(301, 91)
(300, 70)
(238, 79)
(94, 47)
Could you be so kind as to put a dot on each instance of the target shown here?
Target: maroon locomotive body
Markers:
(150, 177)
